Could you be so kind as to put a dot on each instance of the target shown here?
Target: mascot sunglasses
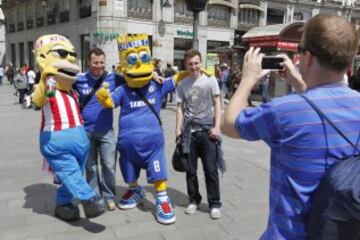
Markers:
(63, 53)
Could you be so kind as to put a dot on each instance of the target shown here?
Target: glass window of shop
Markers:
(275, 16)
(29, 15)
(219, 16)
(13, 53)
(181, 45)
(21, 54)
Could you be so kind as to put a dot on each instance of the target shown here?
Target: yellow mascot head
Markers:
(55, 56)
(135, 59)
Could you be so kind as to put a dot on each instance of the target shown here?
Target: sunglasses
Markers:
(64, 53)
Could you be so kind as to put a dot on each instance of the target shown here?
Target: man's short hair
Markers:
(332, 39)
(192, 53)
(96, 52)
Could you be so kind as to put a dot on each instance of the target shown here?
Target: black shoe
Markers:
(94, 207)
(67, 212)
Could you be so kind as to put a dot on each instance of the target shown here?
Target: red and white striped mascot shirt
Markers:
(61, 112)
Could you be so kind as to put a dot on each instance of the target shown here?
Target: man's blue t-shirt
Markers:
(136, 118)
(95, 116)
(302, 147)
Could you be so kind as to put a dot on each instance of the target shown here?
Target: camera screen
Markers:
(272, 63)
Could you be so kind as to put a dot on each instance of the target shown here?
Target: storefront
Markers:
(275, 39)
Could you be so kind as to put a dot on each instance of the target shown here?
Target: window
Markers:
(52, 12)
(182, 15)
(13, 53)
(84, 8)
(249, 16)
(31, 54)
(275, 16)
(20, 18)
(29, 16)
(140, 9)
(21, 54)
(39, 14)
(219, 16)
(11, 21)
(64, 10)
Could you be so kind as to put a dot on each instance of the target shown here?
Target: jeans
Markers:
(205, 148)
(102, 143)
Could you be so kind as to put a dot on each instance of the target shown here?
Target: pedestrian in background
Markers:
(169, 72)
(21, 85)
(98, 123)
(302, 145)
(31, 79)
(198, 129)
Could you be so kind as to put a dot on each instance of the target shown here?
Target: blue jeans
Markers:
(102, 143)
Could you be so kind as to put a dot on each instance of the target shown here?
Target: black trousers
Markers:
(205, 148)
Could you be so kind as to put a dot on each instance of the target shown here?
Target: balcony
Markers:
(186, 18)
(29, 24)
(141, 13)
(218, 23)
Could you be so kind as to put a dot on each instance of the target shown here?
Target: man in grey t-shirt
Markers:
(198, 128)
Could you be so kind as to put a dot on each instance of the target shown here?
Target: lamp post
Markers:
(195, 6)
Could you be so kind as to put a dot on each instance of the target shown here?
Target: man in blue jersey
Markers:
(98, 122)
(302, 146)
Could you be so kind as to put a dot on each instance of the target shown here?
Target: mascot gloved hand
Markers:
(103, 95)
(63, 140)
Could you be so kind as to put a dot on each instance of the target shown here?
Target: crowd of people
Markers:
(303, 145)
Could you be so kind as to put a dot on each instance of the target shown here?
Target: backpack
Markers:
(335, 211)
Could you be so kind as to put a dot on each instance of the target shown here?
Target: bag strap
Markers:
(93, 90)
(322, 115)
(149, 105)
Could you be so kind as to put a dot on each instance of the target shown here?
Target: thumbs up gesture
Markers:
(103, 95)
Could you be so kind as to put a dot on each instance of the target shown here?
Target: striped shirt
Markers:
(302, 147)
(61, 112)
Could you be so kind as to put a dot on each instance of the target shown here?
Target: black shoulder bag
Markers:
(149, 105)
(93, 90)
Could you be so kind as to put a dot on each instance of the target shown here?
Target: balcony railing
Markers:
(184, 18)
(218, 23)
(142, 13)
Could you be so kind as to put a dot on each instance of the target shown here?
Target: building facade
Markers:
(89, 23)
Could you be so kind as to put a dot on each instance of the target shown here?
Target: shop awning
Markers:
(251, 6)
(278, 36)
(222, 2)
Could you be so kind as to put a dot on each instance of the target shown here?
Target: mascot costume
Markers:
(63, 141)
(140, 139)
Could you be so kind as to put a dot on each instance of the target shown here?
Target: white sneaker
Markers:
(191, 208)
(215, 213)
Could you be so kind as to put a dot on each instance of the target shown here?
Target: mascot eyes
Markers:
(132, 58)
(144, 56)
(63, 53)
